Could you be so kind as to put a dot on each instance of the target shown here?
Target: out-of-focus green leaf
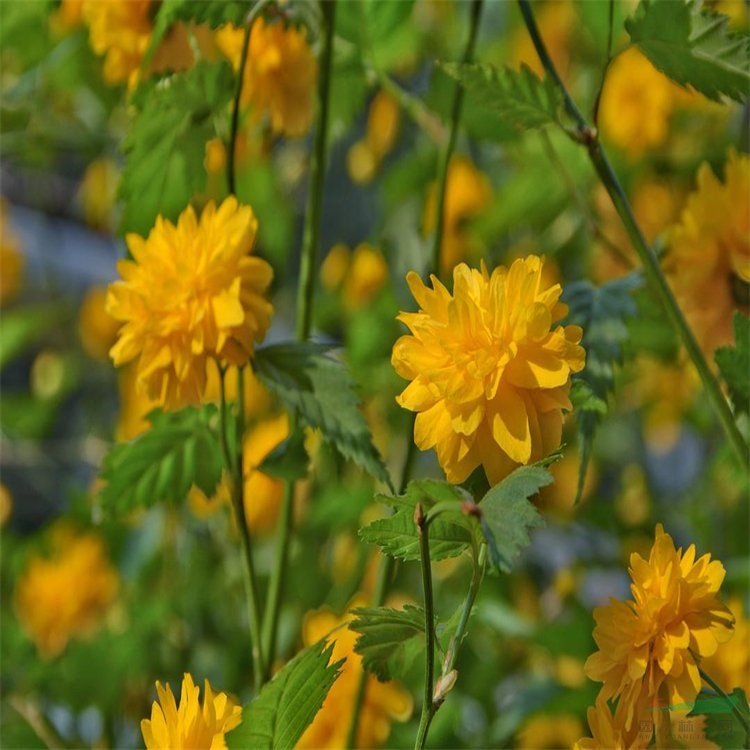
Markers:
(321, 393)
(721, 725)
(165, 146)
(507, 514)
(519, 97)
(389, 639)
(397, 535)
(601, 312)
(734, 363)
(20, 328)
(181, 449)
(693, 48)
(286, 706)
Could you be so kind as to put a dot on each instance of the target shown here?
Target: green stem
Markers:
(733, 704)
(278, 577)
(235, 470)
(655, 276)
(314, 208)
(428, 707)
(458, 100)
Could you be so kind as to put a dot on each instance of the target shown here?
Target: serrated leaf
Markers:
(288, 461)
(519, 97)
(693, 48)
(734, 363)
(397, 535)
(601, 312)
(180, 450)
(507, 514)
(320, 392)
(286, 706)
(209, 12)
(721, 725)
(166, 144)
(389, 639)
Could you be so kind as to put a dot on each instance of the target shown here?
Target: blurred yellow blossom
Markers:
(216, 156)
(367, 274)
(383, 122)
(191, 723)
(489, 370)
(636, 104)
(96, 327)
(556, 20)
(11, 259)
(334, 267)
(384, 702)
(468, 194)
(633, 501)
(559, 497)
(67, 16)
(98, 192)
(649, 647)
(6, 504)
(191, 293)
(729, 667)
(280, 73)
(549, 732)
(65, 592)
(708, 252)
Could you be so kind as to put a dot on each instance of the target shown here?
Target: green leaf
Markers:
(721, 725)
(286, 706)
(734, 363)
(519, 97)
(289, 460)
(23, 327)
(320, 392)
(389, 640)
(180, 450)
(507, 514)
(693, 48)
(210, 12)
(601, 312)
(397, 535)
(165, 146)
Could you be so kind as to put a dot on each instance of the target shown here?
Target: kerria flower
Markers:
(649, 648)
(66, 592)
(384, 702)
(548, 730)
(280, 73)
(192, 293)
(489, 370)
(608, 731)
(191, 724)
(729, 667)
(708, 252)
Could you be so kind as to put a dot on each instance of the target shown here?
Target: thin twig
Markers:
(597, 100)
(33, 716)
(733, 704)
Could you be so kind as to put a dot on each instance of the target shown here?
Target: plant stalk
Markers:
(588, 136)
(458, 101)
(428, 707)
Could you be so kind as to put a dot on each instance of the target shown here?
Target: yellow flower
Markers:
(636, 104)
(119, 30)
(191, 293)
(6, 504)
(467, 194)
(280, 73)
(608, 732)
(191, 724)
(549, 731)
(708, 255)
(98, 192)
(383, 120)
(649, 647)
(11, 259)
(65, 593)
(730, 665)
(367, 274)
(334, 267)
(67, 16)
(384, 702)
(97, 328)
(490, 371)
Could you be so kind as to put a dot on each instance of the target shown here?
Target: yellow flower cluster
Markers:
(649, 647)
(65, 593)
(191, 293)
(383, 120)
(280, 73)
(708, 253)
(192, 723)
(468, 194)
(384, 702)
(489, 370)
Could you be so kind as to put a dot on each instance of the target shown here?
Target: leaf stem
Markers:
(733, 704)
(428, 706)
(458, 100)
(314, 209)
(235, 470)
(588, 136)
(597, 100)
